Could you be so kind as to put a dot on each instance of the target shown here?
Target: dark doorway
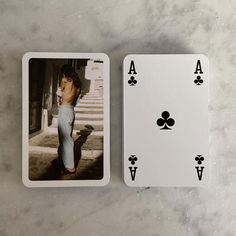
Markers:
(36, 82)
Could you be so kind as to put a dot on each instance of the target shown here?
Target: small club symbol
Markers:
(165, 121)
(198, 80)
(132, 81)
(133, 159)
(199, 159)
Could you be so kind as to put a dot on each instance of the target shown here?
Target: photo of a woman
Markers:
(67, 112)
(67, 93)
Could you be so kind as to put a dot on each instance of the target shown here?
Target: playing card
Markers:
(66, 134)
(165, 120)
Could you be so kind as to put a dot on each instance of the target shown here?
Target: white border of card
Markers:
(25, 122)
(156, 89)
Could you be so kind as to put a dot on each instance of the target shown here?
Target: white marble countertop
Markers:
(119, 28)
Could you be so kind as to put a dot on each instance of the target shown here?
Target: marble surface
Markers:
(118, 28)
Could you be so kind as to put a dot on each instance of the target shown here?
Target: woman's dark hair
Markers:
(69, 72)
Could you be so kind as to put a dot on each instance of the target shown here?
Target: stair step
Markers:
(86, 141)
(82, 127)
(54, 130)
(90, 101)
(84, 121)
(93, 95)
(88, 116)
(37, 151)
(92, 98)
(90, 105)
(93, 92)
(83, 116)
(88, 109)
(89, 122)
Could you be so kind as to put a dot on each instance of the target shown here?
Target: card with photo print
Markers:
(165, 120)
(66, 119)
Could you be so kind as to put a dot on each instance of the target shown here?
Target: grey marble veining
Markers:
(119, 28)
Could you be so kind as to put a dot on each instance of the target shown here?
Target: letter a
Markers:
(133, 172)
(199, 172)
(132, 68)
(198, 68)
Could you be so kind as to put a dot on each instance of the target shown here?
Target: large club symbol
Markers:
(165, 122)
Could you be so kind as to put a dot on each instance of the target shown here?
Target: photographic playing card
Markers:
(165, 120)
(66, 132)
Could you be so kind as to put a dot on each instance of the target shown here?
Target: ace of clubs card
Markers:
(165, 120)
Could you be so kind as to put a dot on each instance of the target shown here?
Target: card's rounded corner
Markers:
(27, 182)
(106, 57)
(27, 56)
(105, 181)
(126, 58)
(127, 183)
(204, 56)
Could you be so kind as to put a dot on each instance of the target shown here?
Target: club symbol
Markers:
(199, 159)
(133, 159)
(165, 121)
(198, 80)
(132, 81)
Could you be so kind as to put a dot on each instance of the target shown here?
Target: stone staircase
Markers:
(88, 138)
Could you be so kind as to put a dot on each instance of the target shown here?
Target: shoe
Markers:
(67, 172)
